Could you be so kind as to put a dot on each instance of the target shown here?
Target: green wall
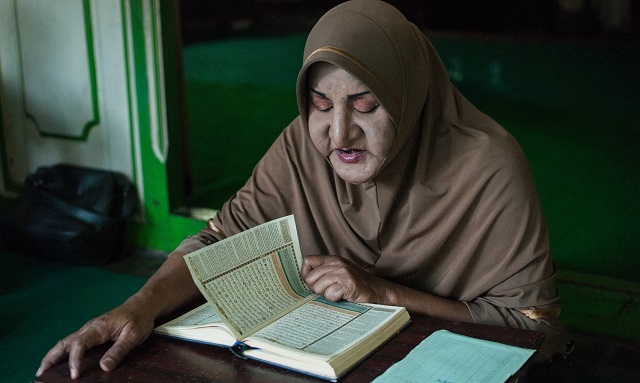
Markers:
(573, 108)
(572, 105)
(159, 228)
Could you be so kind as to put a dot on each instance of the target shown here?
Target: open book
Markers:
(258, 306)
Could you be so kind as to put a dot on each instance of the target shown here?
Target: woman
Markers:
(403, 193)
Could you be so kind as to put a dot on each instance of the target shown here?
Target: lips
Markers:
(350, 156)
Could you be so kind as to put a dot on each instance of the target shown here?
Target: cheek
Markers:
(381, 137)
(318, 132)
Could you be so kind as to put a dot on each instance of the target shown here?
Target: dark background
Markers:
(204, 19)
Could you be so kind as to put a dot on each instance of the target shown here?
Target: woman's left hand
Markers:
(338, 279)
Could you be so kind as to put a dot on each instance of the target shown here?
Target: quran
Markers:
(259, 307)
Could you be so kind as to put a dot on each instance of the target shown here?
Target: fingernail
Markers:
(74, 373)
(39, 372)
(108, 364)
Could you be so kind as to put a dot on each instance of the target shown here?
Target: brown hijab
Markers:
(453, 211)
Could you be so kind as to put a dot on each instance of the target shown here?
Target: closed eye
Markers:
(370, 110)
(322, 106)
(365, 104)
(320, 101)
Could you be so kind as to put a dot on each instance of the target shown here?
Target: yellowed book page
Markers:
(199, 317)
(201, 324)
(324, 328)
(253, 277)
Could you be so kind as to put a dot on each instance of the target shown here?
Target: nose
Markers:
(340, 129)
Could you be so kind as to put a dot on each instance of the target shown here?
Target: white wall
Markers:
(65, 94)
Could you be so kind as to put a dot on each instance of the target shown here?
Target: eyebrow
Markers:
(349, 97)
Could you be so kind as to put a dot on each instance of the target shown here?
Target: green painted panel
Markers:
(161, 229)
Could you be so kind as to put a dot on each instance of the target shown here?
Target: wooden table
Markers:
(162, 359)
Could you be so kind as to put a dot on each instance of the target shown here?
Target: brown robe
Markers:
(453, 211)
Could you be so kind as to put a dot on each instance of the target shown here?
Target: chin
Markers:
(353, 181)
(351, 176)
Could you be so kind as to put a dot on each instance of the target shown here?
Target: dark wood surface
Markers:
(162, 359)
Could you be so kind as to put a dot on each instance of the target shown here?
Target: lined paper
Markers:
(446, 357)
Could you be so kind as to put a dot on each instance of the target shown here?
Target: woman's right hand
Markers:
(128, 325)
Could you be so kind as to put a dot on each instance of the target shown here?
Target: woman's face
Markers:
(347, 123)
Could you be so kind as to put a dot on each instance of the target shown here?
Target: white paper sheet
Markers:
(446, 357)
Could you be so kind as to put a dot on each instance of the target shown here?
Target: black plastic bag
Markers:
(74, 214)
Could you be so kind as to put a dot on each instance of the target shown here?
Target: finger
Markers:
(314, 278)
(53, 357)
(77, 349)
(118, 351)
(321, 265)
(308, 264)
(79, 344)
(73, 347)
(311, 262)
(306, 267)
(319, 280)
(334, 292)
